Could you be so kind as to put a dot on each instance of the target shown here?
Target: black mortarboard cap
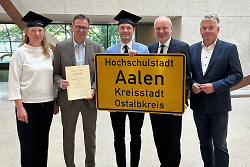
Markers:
(126, 17)
(35, 20)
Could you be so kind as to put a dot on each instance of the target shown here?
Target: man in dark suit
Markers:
(167, 128)
(74, 52)
(215, 68)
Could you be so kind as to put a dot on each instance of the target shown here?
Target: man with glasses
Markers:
(215, 68)
(126, 28)
(167, 127)
(77, 51)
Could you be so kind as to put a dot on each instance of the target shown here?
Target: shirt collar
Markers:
(129, 44)
(166, 44)
(213, 45)
(75, 44)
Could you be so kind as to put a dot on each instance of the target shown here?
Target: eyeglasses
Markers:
(78, 27)
(207, 29)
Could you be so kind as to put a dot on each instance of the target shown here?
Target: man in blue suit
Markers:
(126, 28)
(215, 68)
(167, 127)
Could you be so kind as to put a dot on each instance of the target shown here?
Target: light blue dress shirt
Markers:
(79, 53)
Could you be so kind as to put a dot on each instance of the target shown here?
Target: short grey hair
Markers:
(212, 17)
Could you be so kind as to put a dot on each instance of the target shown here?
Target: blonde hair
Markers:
(45, 43)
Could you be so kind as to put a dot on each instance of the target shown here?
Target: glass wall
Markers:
(60, 31)
(11, 36)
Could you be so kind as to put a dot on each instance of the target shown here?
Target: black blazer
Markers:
(223, 71)
(177, 46)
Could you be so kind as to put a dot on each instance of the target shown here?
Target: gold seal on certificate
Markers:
(79, 82)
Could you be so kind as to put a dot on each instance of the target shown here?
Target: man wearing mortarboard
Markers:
(126, 28)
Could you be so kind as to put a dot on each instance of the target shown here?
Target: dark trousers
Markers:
(118, 120)
(212, 132)
(167, 134)
(34, 135)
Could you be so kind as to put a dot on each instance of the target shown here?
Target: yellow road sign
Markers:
(153, 83)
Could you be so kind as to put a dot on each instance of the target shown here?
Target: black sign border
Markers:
(142, 54)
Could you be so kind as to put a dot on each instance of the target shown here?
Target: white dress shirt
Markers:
(165, 49)
(129, 46)
(206, 53)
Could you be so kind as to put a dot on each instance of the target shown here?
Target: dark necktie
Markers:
(126, 49)
(162, 46)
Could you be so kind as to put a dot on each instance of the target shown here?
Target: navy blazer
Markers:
(223, 71)
(176, 46)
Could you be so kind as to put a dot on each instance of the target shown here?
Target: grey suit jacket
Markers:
(64, 55)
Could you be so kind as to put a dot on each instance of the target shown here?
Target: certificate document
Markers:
(79, 82)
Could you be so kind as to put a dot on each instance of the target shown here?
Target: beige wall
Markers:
(145, 34)
(177, 28)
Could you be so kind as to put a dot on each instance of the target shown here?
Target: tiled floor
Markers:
(238, 138)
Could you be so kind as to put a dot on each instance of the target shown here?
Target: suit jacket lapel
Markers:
(215, 53)
(87, 51)
(71, 50)
(172, 46)
(198, 58)
(134, 46)
(118, 48)
(155, 47)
